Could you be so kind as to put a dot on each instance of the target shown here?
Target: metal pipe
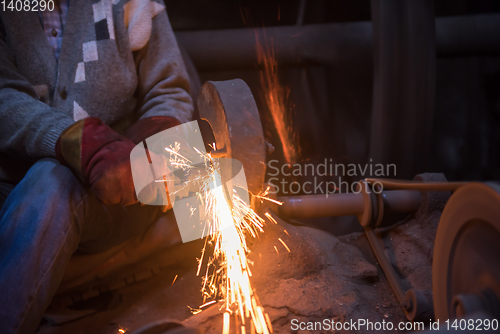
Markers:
(404, 75)
(330, 43)
(321, 206)
(401, 200)
(293, 45)
(349, 204)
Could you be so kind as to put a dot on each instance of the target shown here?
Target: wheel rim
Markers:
(466, 270)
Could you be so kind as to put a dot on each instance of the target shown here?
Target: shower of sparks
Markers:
(276, 96)
(228, 223)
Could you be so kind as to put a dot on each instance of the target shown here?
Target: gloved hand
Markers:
(100, 158)
(145, 128)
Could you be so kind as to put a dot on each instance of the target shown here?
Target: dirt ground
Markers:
(322, 277)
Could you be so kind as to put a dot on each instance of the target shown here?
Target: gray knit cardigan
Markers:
(119, 61)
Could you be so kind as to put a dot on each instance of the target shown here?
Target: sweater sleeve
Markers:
(28, 127)
(163, 88)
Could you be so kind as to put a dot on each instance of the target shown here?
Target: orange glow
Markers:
(276, 96)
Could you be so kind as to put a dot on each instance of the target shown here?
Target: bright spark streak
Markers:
(268, 215)
(225, 329)
(206, 304)
(269, 199)
(194, 310)
(288, 249)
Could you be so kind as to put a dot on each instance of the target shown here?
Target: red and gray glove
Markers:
(141, 131)
(100, 158)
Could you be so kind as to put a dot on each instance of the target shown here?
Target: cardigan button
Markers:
(63, 93)
(54, 32)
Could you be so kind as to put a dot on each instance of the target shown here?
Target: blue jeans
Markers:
(46, 218)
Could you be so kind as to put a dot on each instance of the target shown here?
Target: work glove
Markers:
(149, 126)
(100, 158)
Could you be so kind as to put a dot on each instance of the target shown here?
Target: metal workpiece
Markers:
(230, 109)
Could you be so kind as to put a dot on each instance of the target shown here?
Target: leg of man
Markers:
(5, 190)
(42, 223)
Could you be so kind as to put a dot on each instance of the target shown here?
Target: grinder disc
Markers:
(466, 266)
(230, 109)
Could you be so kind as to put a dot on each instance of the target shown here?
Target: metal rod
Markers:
(332, 43)
(321, 206)
(349, 204)
(294, 45)
(401, 200)
(386, 266)
(430, 186)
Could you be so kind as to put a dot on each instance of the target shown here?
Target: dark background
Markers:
(227, 14)
(331, 104)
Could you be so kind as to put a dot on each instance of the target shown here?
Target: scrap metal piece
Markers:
(465, 268)
(230, 109)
